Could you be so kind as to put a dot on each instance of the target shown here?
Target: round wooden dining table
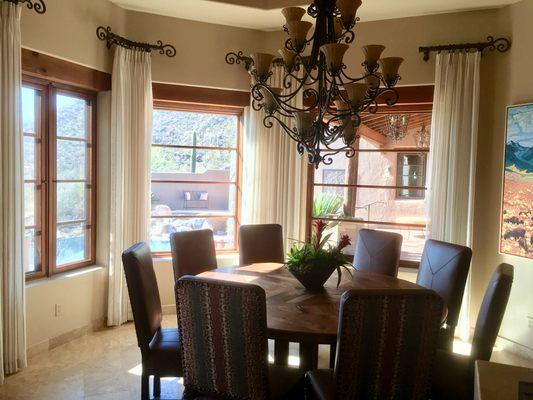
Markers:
(295, 314)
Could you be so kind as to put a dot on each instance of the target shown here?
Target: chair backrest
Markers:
(378, 252)
(261, 243)
(386, 343)
(224, 337)
(491, 312)
(193, 252)
(444, 268)
(143, 292)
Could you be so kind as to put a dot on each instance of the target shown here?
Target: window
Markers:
(368, 190)
(195, 174)
(410, 172)
(59, 191)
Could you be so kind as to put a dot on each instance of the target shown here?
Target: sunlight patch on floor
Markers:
(465, 348)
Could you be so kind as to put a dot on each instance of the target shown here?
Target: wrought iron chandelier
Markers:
(397, 125)
(328, 121)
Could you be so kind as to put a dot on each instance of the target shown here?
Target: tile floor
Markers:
(106, 365)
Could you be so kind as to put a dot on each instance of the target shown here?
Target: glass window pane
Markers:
(31, 251)
(193, 165)
(217, 130)
(29, 97)
(71, 201)
(71, 159)
(374, 130)
(192, 198)
(161, 228)
(70, 244)
(194, 129)
(71, 116)
(29, 204)
(170, 160)
(29, 157)
(365, 204)
(413, 238)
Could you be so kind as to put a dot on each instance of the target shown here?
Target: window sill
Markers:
(223, 255)
(64, 275)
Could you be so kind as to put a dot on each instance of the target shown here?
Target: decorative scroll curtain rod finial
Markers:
(114, 39)
(38, 5)
(501, 45)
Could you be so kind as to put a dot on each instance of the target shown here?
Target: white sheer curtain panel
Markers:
(12, 301)
(131, 137)
(275, 175)
(452, 161)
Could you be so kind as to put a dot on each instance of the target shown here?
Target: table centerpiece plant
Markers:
(313, 262)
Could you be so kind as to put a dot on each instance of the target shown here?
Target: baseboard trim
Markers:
(168, 309)
(49, 344)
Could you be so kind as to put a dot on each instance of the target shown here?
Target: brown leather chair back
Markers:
(224, 337)
(491, 312)
(386, 343)
(378, 252)
(444, 268)
(143, 292)
(193, 252)
(261, 243)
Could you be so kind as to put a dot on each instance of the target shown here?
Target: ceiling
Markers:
(378, 122)
(265, 14)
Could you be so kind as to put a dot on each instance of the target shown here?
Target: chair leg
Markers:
(157, 386)
(145, 387)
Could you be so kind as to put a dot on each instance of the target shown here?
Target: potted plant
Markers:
(312, 263)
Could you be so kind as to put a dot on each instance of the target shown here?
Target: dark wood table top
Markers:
(295, 314)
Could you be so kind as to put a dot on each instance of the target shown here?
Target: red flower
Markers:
(320, 226)
(345, 241)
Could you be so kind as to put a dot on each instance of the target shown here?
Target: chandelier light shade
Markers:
(314, 67)
(397, 125)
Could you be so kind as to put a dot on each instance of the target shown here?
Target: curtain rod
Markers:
(112, 38)
(39, 6)
(500, 44)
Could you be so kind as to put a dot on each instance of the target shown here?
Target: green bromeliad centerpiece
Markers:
(312, 263)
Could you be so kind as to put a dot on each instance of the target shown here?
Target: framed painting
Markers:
(516, 233)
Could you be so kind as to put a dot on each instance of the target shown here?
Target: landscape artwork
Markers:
(517, 207)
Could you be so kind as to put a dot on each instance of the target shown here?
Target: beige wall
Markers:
(510, 82)
(201, 49)
(67, 31)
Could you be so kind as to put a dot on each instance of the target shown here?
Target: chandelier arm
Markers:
(349, 79)
(308, 72)
(390, 101)
(258, 97)
(291, 132)
(348, 36)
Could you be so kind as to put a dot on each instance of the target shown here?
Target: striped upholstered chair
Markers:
(386, 344)
(224, 337)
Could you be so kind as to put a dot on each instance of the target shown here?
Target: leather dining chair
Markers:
(454, 375)
(225, 350)
(444, 268)
(193, 252)
(261, 243)
(160, 347)
(378, 252)
(386, 344)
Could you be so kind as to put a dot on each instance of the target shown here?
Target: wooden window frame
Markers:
(424, 170)
(47, 167)
(208, 109)
(413, 108)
